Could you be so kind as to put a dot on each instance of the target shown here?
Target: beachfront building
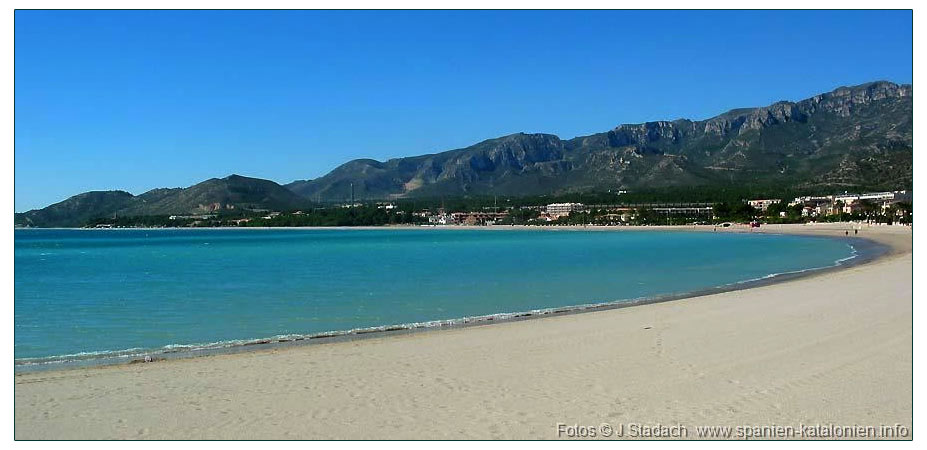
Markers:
(814, 206)
(477, 217)
(804, 200)
(440, 219)
(694, 210)
(884, 200)
(558, 210)
(879, 197)
(763, 204)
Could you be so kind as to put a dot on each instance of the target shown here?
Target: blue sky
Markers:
(135, 100)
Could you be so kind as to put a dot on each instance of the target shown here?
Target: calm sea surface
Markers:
(91, 292)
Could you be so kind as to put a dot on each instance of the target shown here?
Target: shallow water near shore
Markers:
(95, 294)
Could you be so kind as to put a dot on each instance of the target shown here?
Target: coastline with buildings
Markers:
(890, 207)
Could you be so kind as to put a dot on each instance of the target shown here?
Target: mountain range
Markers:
(849, 137)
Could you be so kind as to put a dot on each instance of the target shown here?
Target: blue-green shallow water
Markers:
(87, 291)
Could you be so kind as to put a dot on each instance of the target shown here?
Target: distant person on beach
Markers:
(846, 232)
(856, 231)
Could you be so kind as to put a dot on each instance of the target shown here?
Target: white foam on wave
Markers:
(839, 262)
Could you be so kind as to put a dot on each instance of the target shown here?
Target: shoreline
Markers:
(864, 251)
(833, 347)
(701, 227)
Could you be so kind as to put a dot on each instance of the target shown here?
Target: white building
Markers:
(848, 203)
(812, 200)
(557, 210)
(762, 204)
(883, 199)
(440, 219)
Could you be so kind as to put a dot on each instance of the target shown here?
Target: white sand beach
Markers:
(831, 349)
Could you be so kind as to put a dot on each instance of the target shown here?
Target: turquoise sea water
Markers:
(90, 291)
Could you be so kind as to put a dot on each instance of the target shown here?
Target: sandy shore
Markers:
(834, 349)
